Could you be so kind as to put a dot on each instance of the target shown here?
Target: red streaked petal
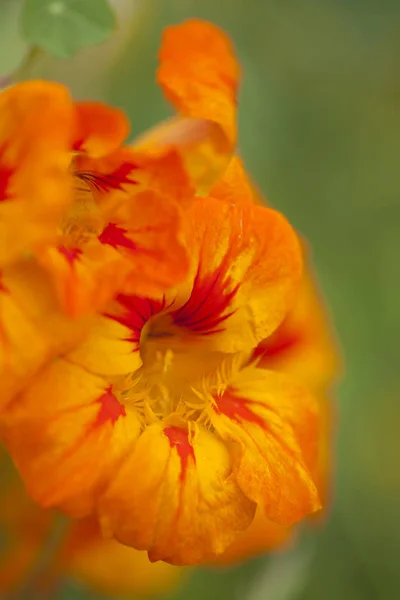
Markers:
(275, 426)
(180, 510)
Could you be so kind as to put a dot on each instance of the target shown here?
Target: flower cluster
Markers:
(137, 283)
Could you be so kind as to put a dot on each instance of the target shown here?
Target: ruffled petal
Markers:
(272, 426)
(246, 264)
(36, 121)
(180, 510)
(67, 434)
(100, 129)
(199, 74)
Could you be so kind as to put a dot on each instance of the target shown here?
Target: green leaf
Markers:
(62, 27)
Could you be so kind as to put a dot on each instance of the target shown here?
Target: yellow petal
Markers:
(185, 506)
(33, 329)
(246, 265)
(67, 434)
(36, 124)
(273, 427)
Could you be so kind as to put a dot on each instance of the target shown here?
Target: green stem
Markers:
(21, 72)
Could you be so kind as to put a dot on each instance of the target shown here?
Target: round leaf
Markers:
(62, 27)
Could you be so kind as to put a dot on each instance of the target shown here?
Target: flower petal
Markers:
(33, 329)
(304, 343)
(180, 510)
(36, 120)
(246, 264)
(67, 433)
(100, 129)
(199, 74)
(272, 425)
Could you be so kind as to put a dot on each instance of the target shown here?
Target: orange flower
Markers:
(163, 383)
(154, 417)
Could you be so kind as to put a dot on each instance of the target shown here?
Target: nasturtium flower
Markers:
(191, 435)
(157, 419)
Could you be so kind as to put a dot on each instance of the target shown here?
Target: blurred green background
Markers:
(320, 133)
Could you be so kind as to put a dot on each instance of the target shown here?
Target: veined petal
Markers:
(33, 329)
(100, 129)
(67, 434)
(109, 348)
(246, 264)
(36, 121)
(272, 426)
(180, 510)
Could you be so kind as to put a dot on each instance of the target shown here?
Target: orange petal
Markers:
(199, 74)
(273, 427)
(67, 434)
(197, 149)
(147, 230)
(100, 129)
(304, 343)
(246, 264)
(36, 120)
(185, 507)
(85, 279)
(33, 329)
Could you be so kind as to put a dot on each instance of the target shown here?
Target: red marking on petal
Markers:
(208, 304)
(104, 182)
(114, 236)
(71, 254)
(6, 174)
(237, 408)
(111, 409)
(2, 286)
(137, 311)
(178, 438)
(78, 144)
(280, 342)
